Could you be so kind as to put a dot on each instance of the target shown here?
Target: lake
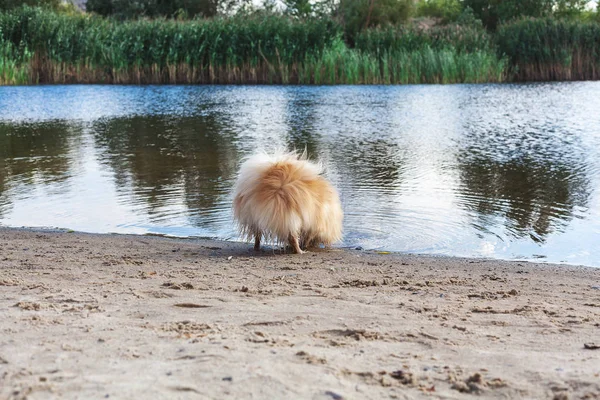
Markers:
(500, 171)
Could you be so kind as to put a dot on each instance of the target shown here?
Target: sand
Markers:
(130, 317)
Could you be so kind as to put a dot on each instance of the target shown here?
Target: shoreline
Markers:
(87, 315)
(381, 251)
(250, 84)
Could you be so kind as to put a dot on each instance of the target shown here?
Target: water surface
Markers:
(503, 171)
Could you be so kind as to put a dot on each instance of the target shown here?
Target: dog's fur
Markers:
(283, 197)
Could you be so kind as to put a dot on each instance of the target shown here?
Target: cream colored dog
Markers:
(283, 197)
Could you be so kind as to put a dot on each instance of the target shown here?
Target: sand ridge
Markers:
(115, 316)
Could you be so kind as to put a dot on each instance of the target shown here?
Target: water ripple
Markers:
(508, 171)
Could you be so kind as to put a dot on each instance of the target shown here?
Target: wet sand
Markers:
(111, 316)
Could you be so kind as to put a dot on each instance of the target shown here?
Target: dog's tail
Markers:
(273, 195)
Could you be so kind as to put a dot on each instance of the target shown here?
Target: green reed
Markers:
(83, 48)
(38, 45)
(340, 65)
(448, 54)
(14, 64)
(408, 38)
(551, 49)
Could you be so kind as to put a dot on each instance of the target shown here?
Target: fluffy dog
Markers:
(284, 198)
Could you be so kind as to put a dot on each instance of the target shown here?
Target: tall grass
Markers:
(80, 48)
(406, 38)
(14, 64)
(449, 54)
(340, 65)
(551, 49)
(38, 45)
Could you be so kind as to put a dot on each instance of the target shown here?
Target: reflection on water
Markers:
(34, 158)
(509, 171)
(157, 160)
(533, 200)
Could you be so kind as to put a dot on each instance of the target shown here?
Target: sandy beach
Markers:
(129, 317)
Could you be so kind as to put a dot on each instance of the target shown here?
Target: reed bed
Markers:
(463, 39)
(551, 49)
(14, 65)
(40, 46)
(448, 54)
(85, 49)
(340, 65)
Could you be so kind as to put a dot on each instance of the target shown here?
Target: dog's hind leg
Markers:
(257, 236)
(295, 245)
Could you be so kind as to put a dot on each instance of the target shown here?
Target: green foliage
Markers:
(570, 8)
(446, 10)
(467, 18)
(10, 4)
(101, 7)
(38, 45)
(14, 64)
(161, 50)
(586, 15)
(463, 39)
(341, 65)
(128, 9)
(69, 7)
(361, 14)
(551, 49)
(493, 12)
(404, 54)
(298, 8)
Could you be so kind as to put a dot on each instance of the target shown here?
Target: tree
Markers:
(447, 10)
(360, 14)
(493, 12)
(126, 9)
(570, 8)
(325, 8)
(231, 7)
(8, 4)
(298, 8)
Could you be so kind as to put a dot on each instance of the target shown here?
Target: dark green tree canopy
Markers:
(361, 14)
(8, 4)
(126, 9)
(494, 12)
(354, 15)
